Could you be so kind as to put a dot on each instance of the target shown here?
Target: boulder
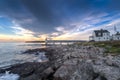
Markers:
(108, 72)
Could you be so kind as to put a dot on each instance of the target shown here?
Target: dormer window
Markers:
(99, 34)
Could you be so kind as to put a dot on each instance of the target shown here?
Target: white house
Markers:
(100, 35)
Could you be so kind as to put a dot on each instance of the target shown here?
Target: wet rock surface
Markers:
(70, 63)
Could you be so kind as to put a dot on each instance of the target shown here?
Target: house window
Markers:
(118, 38)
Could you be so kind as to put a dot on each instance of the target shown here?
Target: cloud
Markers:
(83, 29)
(21, 31)
(43, 16)
(11, 38)
(59, 18)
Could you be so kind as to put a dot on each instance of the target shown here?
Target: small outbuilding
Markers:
(116, 36)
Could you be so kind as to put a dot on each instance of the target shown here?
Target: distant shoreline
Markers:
(34, 41)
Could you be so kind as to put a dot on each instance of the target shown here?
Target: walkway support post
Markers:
(46, 42)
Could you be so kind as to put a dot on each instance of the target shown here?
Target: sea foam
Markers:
(9, 76)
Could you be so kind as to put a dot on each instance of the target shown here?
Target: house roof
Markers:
(99, 33)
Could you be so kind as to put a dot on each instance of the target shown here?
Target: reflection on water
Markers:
(10, 53)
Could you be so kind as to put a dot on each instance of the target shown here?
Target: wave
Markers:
(9, 76)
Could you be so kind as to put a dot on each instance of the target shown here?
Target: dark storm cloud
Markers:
(42, 11)
(44, 15)
(52, 13)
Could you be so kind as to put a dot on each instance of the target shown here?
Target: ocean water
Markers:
(10, 53)
(9, 76)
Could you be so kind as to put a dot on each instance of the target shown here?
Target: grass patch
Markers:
(112, 47)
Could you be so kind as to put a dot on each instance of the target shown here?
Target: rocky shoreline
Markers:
(70, 63)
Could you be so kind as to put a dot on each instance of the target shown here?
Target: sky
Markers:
(26, 20)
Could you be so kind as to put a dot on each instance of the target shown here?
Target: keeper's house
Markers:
(104, 35)
(100, 35)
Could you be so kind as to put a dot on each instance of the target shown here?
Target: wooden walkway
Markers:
(53, 42)
(61, 42)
